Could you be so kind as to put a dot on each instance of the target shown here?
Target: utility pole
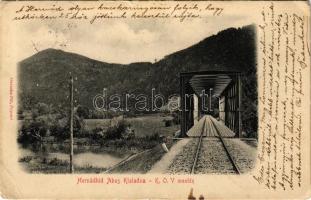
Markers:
(71, 125)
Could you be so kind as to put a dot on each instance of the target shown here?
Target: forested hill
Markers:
(44, 76)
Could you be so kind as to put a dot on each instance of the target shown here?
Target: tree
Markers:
(42, 108)
(83, 112)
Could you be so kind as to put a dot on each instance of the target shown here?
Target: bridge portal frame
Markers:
(187, 107)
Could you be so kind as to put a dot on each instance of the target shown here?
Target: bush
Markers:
(60, 128)
(58, 162)
(25, 159)
(98, 134)
(42, 108)
(176, 118)
(116, 132)
(83, 134)
(153, 137)
(83, 112)
(32, 132)
(168, 123)
(59, 132)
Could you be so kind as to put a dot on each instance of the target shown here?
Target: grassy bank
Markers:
(144, 162)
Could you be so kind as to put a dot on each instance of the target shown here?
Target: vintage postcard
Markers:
(155, 100)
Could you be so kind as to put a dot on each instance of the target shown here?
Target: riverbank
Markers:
(145, 161)
(89, 157)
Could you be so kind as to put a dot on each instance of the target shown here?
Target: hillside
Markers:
(44, 75)
(229, 50)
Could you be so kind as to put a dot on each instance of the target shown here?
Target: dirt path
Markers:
(162, 165)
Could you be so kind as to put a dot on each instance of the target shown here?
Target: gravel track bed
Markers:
(243, 154)
(213, 159)
(182, 163)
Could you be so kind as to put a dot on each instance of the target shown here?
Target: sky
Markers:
(117, 41)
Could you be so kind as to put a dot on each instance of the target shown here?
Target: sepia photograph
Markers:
(191, 111)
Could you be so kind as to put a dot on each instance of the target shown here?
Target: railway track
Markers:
(202, 158)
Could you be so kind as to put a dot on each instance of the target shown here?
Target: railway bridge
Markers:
(213, 93)
(211, 121)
